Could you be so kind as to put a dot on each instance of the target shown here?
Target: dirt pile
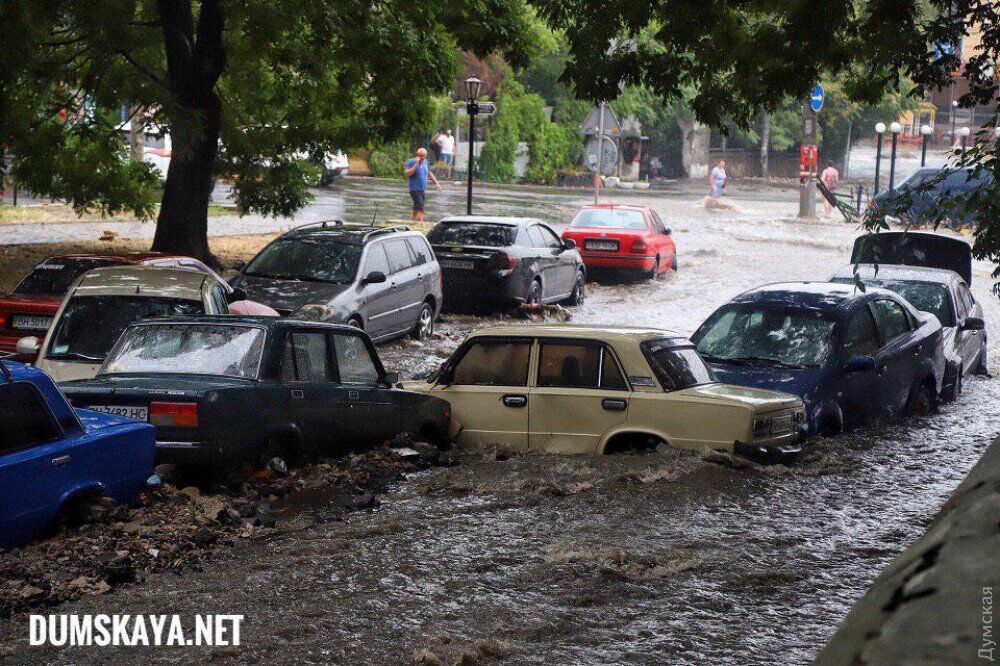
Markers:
(177, 529)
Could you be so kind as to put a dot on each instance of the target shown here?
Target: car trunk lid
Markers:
(604, 240)
(467, 260)
(911, 248)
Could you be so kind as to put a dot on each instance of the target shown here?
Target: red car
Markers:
(29, 309)
(623, 237)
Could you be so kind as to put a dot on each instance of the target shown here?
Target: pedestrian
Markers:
(717, 179)
(830, 178)
(418, 171)
(446, 146)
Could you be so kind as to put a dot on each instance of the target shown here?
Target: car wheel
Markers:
(579, 291)
(655, 272)
(535, 294)
(922, 401)
(356, 323)
(955, 390)
(275, 458)
(424, 327)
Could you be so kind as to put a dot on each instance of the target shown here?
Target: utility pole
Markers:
(807, 161)
(600, 156)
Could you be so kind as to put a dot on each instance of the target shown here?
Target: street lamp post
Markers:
(895, 128)
(926, 131)
(473, 86)
(879, 131)
(954, 113)
(964, 133)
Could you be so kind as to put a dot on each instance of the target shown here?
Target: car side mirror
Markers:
(28, 346)
(391, 378)
(236, 294)
(973, 324)
(239, 265)
(375, 277)
(569, 244)
(859, 363)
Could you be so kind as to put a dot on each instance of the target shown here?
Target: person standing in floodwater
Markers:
(830, 178)
(418, 171)
(717, 179)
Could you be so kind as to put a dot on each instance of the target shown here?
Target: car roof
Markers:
(582, 331)
(19, 371)
(809, 295)
(248, 320)
(494, 219)
(899, 272)
(172, 282)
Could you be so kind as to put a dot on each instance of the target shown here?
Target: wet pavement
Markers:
(641, 559)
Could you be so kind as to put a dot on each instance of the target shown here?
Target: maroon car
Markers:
(28, 310)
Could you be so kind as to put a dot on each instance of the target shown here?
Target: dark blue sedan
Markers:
(851, 356)
(53, 457)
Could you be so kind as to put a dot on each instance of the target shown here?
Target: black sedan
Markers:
(237, 392)
(493, 262)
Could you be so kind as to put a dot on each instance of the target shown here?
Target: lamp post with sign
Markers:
(879, 131)
(808, 156)
(472, 89)
(964, 133)
(895, 128)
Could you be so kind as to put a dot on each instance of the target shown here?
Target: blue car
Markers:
(851, 356)
(52, 456)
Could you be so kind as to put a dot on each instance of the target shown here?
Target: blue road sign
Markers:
(816, 98)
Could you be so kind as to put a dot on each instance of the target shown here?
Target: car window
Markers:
(494, 363)
(210, 349)
(550, 237)
(568, 365)
(536, 236)
(862, 334)
(482, 234)
(966, 296)
(765, 335)
(354, 360)
(676, 367)
(376, 260)
(307, 259)
(892, 318)
(54, 276)
(421, 251)
(306, 358)
(960, 306)
(399, 256)
(658, 226)
(25, 418)
(609, 218)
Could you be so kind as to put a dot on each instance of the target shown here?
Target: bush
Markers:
(388, 161)
(551, 152)
(496, 162)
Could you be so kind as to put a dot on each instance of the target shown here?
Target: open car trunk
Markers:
(911, 248)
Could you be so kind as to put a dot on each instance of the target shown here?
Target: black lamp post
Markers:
(964, 133)
(879, 131)
(472, 89)
(926, 131)
(954, 113)
(895, 128)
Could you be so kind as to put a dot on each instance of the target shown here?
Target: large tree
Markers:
(736, 57)
(245, 88)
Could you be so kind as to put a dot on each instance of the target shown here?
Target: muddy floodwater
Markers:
(657, 558)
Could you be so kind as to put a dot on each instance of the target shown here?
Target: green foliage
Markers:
(389, 160)
(553, 148)
(496, 162)
(519, 116)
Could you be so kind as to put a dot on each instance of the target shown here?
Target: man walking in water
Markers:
(418, 171)
(830, 178)
(717, 179)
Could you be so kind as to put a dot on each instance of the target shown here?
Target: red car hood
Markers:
(30, 304)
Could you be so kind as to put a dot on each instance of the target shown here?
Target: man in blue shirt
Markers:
(418, 171)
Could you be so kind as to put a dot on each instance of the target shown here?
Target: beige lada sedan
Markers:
(590, 389)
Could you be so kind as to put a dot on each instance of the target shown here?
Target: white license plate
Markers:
(31, 322)
(137, 413)
(602, 246)
(455, 263)
(781, 424)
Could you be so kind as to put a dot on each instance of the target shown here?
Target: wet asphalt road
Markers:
(646, 559)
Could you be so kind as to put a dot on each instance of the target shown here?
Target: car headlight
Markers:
(762, 426)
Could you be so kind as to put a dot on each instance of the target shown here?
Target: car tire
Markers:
(579, 291)
(424, 328)
(654, 274)
(535, 293)
(953, 392)
(922, 401)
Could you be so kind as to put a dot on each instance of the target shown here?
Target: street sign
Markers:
(609, 164)
(592, 124)
(816, 98)
(487, 108)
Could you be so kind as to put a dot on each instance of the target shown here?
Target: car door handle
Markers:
(60, 461)
(514, 400)
(614, 404)
(297, 394)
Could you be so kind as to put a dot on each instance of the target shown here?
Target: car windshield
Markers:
(473, 233)
(90, 325)
(204, 349)
(609, 218)
(766, 336)
(54, 276)
(308, 260)
(930, 297)
(676, 367)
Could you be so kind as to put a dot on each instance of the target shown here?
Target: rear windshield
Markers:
(609, 218)
(90, 325)
(676, 367)
(930, 297)
(473, 233)
(54, 276)
(225, 351)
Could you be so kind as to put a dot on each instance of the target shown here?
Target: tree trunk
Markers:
(765, 143)
(136, 136)
(195, 61)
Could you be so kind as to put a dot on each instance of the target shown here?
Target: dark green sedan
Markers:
(229, 392)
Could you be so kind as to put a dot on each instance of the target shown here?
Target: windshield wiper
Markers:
(77, 355)
(763, 360)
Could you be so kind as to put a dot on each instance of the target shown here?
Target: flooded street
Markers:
(657, 558)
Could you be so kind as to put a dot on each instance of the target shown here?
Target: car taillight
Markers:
(4, 319)
(178, 414)
(638, 246)
(501, 261)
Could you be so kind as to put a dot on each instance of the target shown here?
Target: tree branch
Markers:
(150, 74)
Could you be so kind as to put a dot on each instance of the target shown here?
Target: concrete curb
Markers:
(934, 603)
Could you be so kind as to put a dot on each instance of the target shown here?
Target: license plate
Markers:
(455, 263)
(31, 322)
(137, 413)
(781, 424)
(601, 245)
